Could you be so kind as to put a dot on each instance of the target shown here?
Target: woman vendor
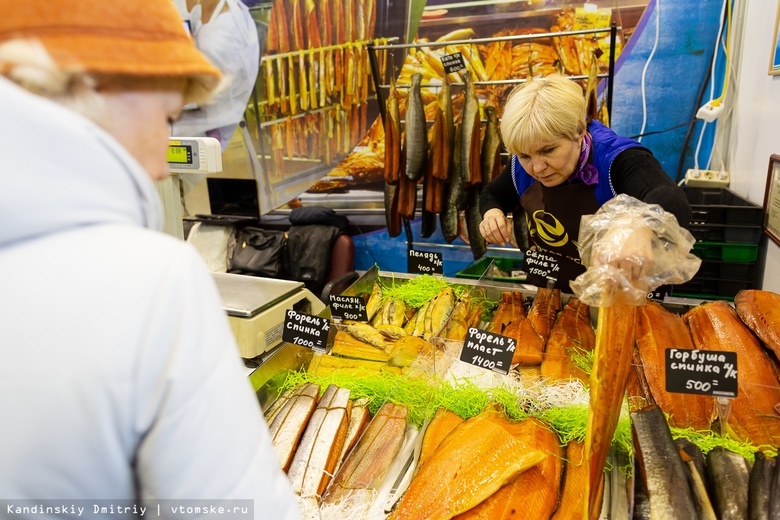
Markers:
(564, 166)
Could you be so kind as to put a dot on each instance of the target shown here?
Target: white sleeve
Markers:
(203, 434)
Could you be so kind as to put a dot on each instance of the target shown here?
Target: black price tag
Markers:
(306, 330)
(487, 350)
(425, 262)
(348, 308)
(453, 62)
(708, 372)
(660, 293)
(539, 267)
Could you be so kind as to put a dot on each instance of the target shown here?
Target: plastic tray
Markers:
(725, 233)
(722, 206)
(503, 270)
(728, 252)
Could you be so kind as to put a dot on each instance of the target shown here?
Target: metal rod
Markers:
(519, 37)
(611, 81)
(478, 83)
(356, 43)
(375, 75)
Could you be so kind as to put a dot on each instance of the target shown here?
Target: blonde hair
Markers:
(543, 110)
(28, 64)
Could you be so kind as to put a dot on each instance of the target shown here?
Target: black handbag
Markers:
(259, 252)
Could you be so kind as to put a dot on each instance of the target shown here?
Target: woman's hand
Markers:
(495, 228)
(630, 249)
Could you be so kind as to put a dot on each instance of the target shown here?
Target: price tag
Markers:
(487, 350)
(306, 330)
(424, 262)
(708, 372)
(453, 62)
(348, 308)
(660, 293)
(539, 267)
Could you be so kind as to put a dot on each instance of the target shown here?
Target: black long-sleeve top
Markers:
(635, 172)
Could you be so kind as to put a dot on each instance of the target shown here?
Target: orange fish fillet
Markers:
(760, 310)
(572, 330)
(443, 422)
(658, 329)
(716, 326)
(572, 502)
(611, 364)
(510, 309)
(534, 493)
(470, 464)
(533, 333)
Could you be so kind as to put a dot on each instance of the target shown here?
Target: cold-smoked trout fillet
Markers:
(760, 310)
(509, 309)
(572, 503)
(716, 326)
(572, 331)
(471, 463)
(442, 424)
(658, 329)
(534, 493)
(532, 333)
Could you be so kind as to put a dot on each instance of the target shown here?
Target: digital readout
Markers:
(180, 154)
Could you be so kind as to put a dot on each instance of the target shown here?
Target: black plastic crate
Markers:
(727, 270)
(724, 233)
(722, 206)
(733, 252)
(700, 286)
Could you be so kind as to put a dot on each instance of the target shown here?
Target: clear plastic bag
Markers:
(630, 248)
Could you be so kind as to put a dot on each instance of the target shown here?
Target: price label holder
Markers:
(306, 330)
(660, 293)
(540, 267)
(424, 262)
(453, 62)
(348, 308)
(706, 372)
(488, 350)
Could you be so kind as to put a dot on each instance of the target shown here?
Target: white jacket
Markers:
(119, 374)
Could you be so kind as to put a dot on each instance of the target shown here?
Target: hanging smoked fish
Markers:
(469, 165)
(392, 137)
(473, 218)
(443, 135)
(591, 98)
(491, 147)
(415, 131)
(392, 217)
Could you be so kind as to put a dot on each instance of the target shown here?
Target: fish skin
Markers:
(509, 309)
(572, 331)
(366, 465)
(716, 326)
(419, 324)
(442, 424)
(694, 453)
(394, 313)
(392, 171)
(290, 422)
(491, 146)
(271, 411)
(774, 495)
(454, 195)
(760, 310)
(698, 488)
(415, 131)
(392, 216)
(474, 461)
(457, 325)
(608, 379)
(468, 166)
(473, 219)
(534, 493)
(359, 418)
(347, 345)
(319, 448)
(729, 475)
(374, 303)
(367, 334)
(439, 310)
(760, 486)
(664, 474)
(656, 330)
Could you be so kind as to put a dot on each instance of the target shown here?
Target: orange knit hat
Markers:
(142, 38)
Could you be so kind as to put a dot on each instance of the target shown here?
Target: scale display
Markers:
(200, 155)
(179, 154)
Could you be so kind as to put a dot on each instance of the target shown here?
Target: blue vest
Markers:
(606, 146)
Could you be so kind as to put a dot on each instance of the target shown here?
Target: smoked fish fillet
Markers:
(572, 503)
(572, 331)
(534, 493)
(471, 463)
(760, 310)
(608, 379)
(443, 422)
(716, 326)
(658, 329)
(509, 309)
(290, 421)
(366, 465)
(532, 333)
